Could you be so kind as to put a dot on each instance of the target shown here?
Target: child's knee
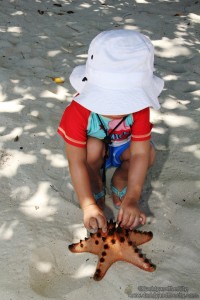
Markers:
(95, 151)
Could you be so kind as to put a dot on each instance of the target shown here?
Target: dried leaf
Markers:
(58, 5)
(178, 14)
(16, 139)
(41, 12)
(58, 80)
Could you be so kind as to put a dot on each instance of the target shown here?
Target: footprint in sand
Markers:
(54, 271)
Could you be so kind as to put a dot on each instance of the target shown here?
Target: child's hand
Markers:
(130, 215)
(93, 218)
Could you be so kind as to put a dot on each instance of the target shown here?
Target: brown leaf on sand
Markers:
(41, 12)
(16, 139)
(58, 80)
(179, 14)
(58, 5)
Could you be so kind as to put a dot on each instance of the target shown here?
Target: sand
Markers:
(40, 216)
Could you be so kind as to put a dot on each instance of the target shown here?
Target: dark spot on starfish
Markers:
(80, 241)
(111, 231)
(113, 241)
(140, 255)
(91, 234)
(98, 234)
(149, 233)
(102, 259)
(146, 260)
(127, 233)
(103, 239)
(104, 253)
(96, 242)
(71, 246)
(86, 239)
(130, 243)
(119, 229)
(136, 250)
(81, 245)
(106, 246)
(97, 275)
(112, 223)
(122, 239)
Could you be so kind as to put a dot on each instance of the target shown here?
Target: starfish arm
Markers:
(92, 244)
(102, 267)
(140, 237)
(133, 255)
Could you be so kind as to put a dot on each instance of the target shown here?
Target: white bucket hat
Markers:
(118, 76)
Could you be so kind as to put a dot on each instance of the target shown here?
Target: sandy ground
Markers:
(39, 214)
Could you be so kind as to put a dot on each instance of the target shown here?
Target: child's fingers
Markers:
(93, 225)
(92, 230)
(124, 218)
(98, 222)
(135, 223)
(120, 215)
(130, 220)
(142, 219)
(102, 223)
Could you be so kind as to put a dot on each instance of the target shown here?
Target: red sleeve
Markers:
(73, 124)
(141, 128)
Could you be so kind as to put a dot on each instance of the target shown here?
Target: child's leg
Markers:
(120, 176)
(95, 154)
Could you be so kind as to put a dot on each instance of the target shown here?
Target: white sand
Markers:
(39, 213)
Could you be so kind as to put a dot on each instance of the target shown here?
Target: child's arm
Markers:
(93, 216)
(130, 215)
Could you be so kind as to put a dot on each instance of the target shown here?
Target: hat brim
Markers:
(76, 78)
(117, 101)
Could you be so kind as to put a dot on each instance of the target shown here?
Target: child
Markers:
(108, 123)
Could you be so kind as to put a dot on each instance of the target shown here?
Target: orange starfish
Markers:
(114, 245)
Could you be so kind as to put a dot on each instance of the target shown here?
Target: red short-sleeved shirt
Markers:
(78, 123)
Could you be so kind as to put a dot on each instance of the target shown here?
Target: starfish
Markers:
(117, 244)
